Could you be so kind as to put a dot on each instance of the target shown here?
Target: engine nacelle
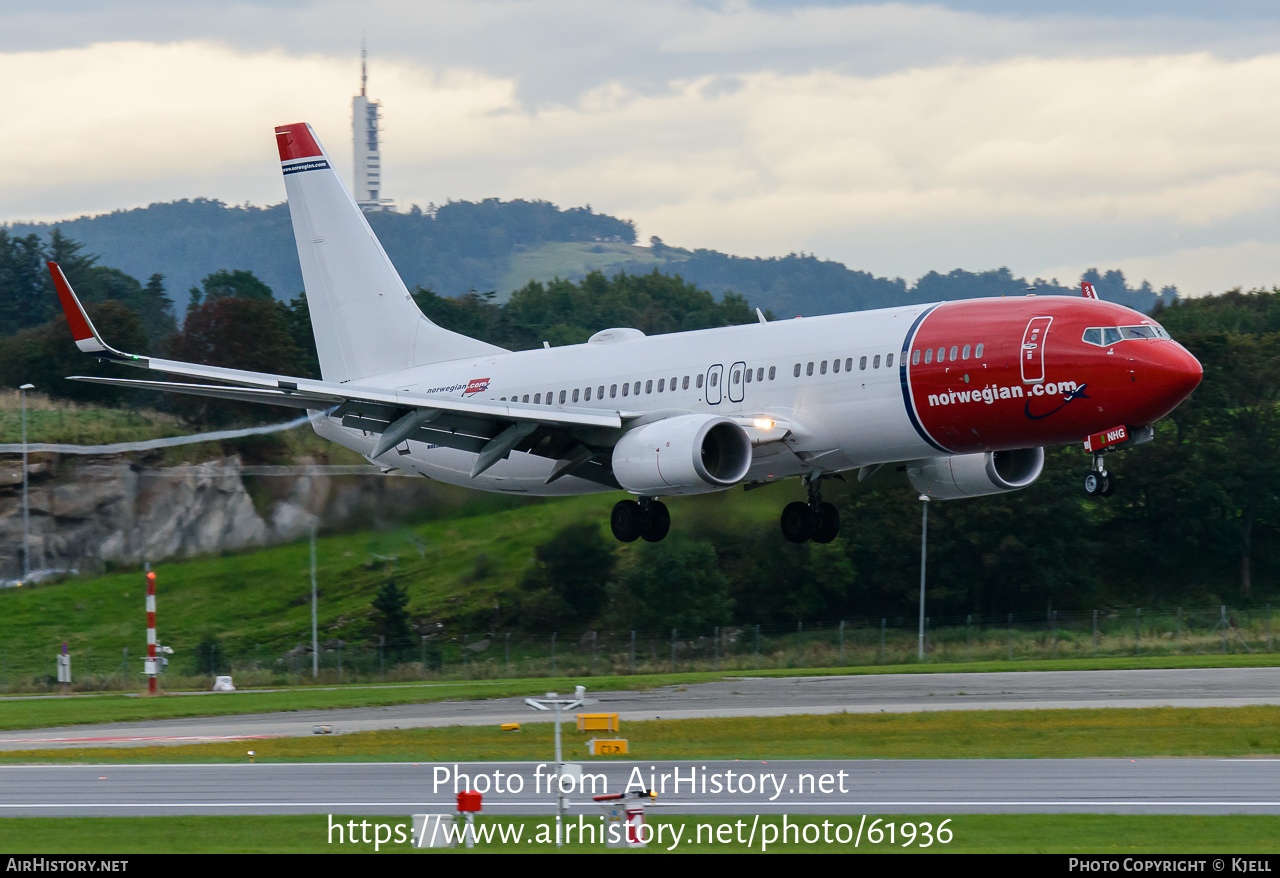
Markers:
(974, 475)
(686, 454)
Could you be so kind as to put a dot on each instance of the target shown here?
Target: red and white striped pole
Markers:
(150, 666)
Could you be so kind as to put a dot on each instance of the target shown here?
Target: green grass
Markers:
(574, 260)
(257, 602)
(971, 833)
(1008, 734)
(42, 712)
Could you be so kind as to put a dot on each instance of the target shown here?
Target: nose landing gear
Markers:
(1099, 483)
(815, 520)
(648, 518)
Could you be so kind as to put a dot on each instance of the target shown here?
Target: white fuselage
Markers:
(836, 420)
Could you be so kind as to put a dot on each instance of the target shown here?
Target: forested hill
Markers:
(455, 248)
(500, 246)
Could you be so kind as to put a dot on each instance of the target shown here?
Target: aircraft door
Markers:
(715, 376)
(1033, 340)
(737, 383)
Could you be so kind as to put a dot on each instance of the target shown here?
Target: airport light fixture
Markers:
(924, 545)
(26, 504)
(555, 702)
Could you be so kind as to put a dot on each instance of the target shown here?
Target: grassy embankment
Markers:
(1009, 734)
(1113, 835)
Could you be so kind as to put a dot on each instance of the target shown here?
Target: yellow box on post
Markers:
(509, 727)
(598, 722)
(607, 747)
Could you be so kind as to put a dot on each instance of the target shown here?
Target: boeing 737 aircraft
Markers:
(964, 395)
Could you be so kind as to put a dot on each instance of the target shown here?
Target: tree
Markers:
(566, 585)
(391, 621)
(672, 584)
(223, 284)
(254, 333)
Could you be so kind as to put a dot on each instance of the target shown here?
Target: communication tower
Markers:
(365, 115)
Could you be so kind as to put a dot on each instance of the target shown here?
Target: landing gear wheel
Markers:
(825, 524)
(1108, 486)
(656, 521)
(626, 521)
(797, 521)
(1093, 484)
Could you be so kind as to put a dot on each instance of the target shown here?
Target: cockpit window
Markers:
(1104, 336)
(1144, 331)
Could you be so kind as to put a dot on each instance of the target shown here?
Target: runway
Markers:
(961, 786)
(747, 696)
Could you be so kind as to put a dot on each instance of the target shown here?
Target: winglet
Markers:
(87, 338)
(1087, 290)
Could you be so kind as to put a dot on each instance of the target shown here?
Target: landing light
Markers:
(763, 424)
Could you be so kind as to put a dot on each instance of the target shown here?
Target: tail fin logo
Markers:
(1087, 290)
(476, 385)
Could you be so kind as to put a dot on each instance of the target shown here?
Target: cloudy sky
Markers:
(1046, 136)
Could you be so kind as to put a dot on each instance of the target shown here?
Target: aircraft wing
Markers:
(489, 429)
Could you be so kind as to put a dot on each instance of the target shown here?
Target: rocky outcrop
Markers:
(88, 513)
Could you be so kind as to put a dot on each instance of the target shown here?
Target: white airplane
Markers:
(964, 394)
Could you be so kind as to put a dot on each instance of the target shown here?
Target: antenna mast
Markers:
(364, 76)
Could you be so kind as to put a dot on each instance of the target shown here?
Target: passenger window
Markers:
(748, 376)
(862, 363)
(978, 352)
(698, 381)
(928, 355)
(797, 370)
(625, 389)
(635, 389)
(822, 369)
(955, 352)
(964, 354)
(760, 374)
(551, 397)
(773, 370)
(808, 370)
(1110, 335)
(888, 362)
(537, 399)
(502, 399)
(942, 355)
(526, 398)
(648, 386)
(875, 363)
(915, 357)
(672, 385)
(661, 383)
(1093, 335)
(715, 379)
(684, 385)
(599, 392)
(562, 396)
(586, 396)
(848, 364)
(835, 366)
(737, 377)
(613, 391)
(575, 394)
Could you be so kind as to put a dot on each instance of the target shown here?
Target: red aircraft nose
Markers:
(1173, 373)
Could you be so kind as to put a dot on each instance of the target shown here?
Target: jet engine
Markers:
(685, 454)
(974, 475)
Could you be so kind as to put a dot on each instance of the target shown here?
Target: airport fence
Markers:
(442, 656)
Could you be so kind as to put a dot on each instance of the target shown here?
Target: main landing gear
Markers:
(1099, 483)
(815, 520)
(648, 518)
